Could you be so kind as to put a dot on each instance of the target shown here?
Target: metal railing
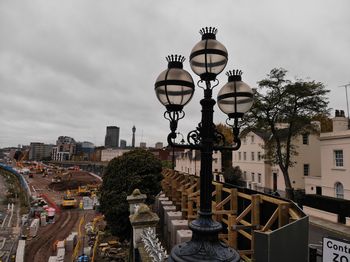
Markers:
(241, 211)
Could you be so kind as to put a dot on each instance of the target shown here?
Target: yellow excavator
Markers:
(69, 201)
(83, 191)
(59, 177)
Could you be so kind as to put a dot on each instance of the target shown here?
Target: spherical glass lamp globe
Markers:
(208, 57)
(235, 98)
(174, 87)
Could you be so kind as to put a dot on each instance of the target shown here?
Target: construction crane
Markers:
(21, 158)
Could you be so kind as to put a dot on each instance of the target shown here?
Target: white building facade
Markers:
(250, 159)
(189, 162)
(261, 175)
(109, 153)
(334, 180)
(64, 150)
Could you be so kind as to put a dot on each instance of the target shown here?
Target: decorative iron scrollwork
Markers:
(173, 118)
(194, 137)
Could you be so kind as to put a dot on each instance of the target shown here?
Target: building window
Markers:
(253, 156)
(306, 169)
(259, 156)
(239, 155)
(252, 139)
(244, 140)
(244, 155)
(259, 178)
(338, 158)
(339, 190)
(245, 175)
(253, 177)
(305, 139)
(318, 190)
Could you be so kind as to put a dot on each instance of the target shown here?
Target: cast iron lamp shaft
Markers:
(206, 149)
(205, 244)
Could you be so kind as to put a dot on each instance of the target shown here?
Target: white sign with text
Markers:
(335, 250)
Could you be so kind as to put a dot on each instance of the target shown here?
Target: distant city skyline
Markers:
(122, 142)
(112, 137)
(72, 68)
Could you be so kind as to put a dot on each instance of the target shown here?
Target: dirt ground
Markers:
(66, 221)
(73, 180)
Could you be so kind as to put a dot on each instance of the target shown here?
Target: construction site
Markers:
(59, 219)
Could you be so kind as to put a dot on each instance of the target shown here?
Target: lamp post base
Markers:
(204, 245)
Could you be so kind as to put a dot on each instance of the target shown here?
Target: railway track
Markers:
(41, 247)
(8, 234)
(7, 221)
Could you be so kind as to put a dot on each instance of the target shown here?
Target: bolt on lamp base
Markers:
(204, 245)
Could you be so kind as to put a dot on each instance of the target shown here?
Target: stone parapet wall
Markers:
(321, 214)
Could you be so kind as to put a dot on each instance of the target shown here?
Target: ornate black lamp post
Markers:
(174, 88)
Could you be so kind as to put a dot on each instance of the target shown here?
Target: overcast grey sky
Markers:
(73, 67)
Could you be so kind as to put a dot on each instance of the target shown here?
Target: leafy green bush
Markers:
(135, 169)
(233, 175)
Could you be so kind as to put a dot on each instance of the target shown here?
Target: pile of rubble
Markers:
(113, 250)
(72, 180)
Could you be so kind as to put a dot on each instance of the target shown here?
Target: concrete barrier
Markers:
(162, 204)
(52, 259)
(60, 244)
(166, 210)
(183, 235)
(176, 225)
(34, 226)
(20, 251)
(60, 254)
(160, 198)
(71, 241)
(171, 215)
(320, 214)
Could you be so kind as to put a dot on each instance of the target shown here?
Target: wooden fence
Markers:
(241, 211)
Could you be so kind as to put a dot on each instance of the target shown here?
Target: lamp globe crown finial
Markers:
(208, 32)
(175, 61)
(234, 75)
